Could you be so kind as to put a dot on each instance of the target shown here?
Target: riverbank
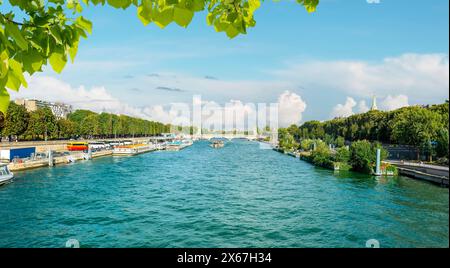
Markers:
(432, 173)
(58, 160)
(58, 145)
(437, 175)
(61, 156)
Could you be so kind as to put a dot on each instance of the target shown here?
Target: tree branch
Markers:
(15, 22)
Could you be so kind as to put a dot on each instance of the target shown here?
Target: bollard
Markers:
(50, 158)
(378, 164)
(89, 152)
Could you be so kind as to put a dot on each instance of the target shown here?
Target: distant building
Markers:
(374, 104)
(59, 110)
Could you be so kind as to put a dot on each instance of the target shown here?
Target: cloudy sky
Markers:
(317, 66)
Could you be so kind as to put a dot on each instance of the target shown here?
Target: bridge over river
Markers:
(228, 136)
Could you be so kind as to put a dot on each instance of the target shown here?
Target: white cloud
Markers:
(233, 114)
(389, 103)
(175, 114)
(291, 107)
(344, 110)
(95, 99)
(422, 77)
(362, 107)
(394, 102)
(409, 78)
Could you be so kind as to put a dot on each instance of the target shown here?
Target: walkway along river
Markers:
(238, 196)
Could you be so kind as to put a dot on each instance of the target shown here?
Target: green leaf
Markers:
(4, 65)
(164, 17)
(13, 81)
(73, 50)
(198, 5)
(231, 31)
(119, 3)
(145, 12)
(210, 18)
(4, 100)
(96, 2)
(221, 25)
(13, 31)
(254, 4)
(15, 76)
(58, 60)
(182, 16)
(310, 5)
(84, 24)
(32, 61)
(55, 32)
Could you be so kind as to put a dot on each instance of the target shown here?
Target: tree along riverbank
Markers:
(360, 156)
(425, 128)
(19, 124)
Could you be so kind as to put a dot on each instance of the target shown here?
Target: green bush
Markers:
(339, 142)
(342, 166)
(363, 155)
(321, 156)
(342, 155)
(391, 169)
(443, 143)
(287, 141)
(306, 144)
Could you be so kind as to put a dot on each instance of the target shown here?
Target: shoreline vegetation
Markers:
(359, 157)
(351, 143)
(42, 124)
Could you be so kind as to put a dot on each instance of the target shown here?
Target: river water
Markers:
(237, 196)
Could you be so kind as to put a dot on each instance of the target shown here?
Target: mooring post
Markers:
(378, 164)
(50, 158)
(89, 156)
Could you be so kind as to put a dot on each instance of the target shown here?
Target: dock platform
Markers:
(431, 173)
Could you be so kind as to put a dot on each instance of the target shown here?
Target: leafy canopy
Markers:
(49, 31)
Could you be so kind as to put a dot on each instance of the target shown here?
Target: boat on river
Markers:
(133, 149)
(178, 145)
(5, 175)
(77, 146)
(217, 144)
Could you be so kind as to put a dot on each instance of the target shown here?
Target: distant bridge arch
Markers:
(228, 137)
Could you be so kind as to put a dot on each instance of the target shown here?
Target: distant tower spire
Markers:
(374, 103)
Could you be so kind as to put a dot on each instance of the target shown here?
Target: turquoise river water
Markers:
(237, 196)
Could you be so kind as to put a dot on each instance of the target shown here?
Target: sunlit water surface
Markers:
(237, 196)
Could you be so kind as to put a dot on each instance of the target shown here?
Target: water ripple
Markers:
(238, 196)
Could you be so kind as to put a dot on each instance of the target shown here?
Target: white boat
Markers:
(217, 144)
(5, 175)
(178, 145)
(173, 146)
(187, 142)
(133, 149)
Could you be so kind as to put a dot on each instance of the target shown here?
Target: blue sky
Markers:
(347, 49)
